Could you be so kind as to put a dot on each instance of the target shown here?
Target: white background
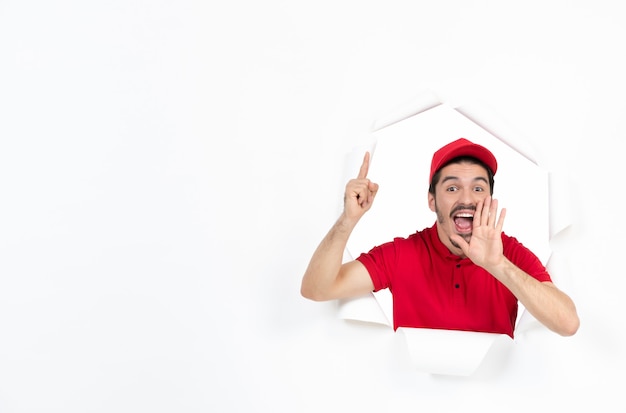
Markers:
(168, 167)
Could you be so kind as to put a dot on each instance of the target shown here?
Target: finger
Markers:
(493, 210)
(364, 195)
(458, 240)
(500, 224)
(485, 211)
(372, 189)
(360, 191)
(478, 213)
(364, 166)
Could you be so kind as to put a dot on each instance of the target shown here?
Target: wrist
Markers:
(499, 268)
(346, 223)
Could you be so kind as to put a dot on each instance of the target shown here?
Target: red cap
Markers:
(462, 147)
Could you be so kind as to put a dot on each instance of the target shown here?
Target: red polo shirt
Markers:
(433, 288)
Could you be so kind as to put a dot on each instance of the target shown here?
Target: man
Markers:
(463, 273)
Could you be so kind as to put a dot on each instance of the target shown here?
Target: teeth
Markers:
(465, 215)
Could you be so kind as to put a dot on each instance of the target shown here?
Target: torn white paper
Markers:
(450, 352)
(402, 147)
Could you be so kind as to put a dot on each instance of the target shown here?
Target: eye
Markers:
(451, 189)
(479, 189)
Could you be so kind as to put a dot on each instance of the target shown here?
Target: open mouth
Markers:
(463, 222)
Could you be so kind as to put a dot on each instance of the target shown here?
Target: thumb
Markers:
(460, 241)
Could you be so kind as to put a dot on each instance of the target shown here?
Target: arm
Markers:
(549, 305)
(326, 278)
(552, 307)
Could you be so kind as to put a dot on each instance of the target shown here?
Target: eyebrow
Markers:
(453, 178)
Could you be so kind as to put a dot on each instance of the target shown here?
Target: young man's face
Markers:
(458, 191)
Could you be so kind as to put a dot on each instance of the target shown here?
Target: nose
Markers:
(469, 197)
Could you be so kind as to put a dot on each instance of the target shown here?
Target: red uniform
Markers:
(433, 288)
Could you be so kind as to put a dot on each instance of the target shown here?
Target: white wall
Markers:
(167, 168)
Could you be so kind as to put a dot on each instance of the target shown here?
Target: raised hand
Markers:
(485, 245)
(360, 192)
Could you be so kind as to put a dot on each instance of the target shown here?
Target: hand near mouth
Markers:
(485, 245)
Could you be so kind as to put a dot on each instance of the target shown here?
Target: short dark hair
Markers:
(460, 159)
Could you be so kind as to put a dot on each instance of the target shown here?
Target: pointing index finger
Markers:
(364, 166)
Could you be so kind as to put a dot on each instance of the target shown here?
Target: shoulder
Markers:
(418, 242)
(417, 238)
(400, 245)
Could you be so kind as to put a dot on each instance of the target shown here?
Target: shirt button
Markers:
(456, 285)
(458, 265)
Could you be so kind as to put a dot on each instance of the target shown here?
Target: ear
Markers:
(431, 202)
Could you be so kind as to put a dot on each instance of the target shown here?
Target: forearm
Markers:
(325, 264)
(549, 305)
